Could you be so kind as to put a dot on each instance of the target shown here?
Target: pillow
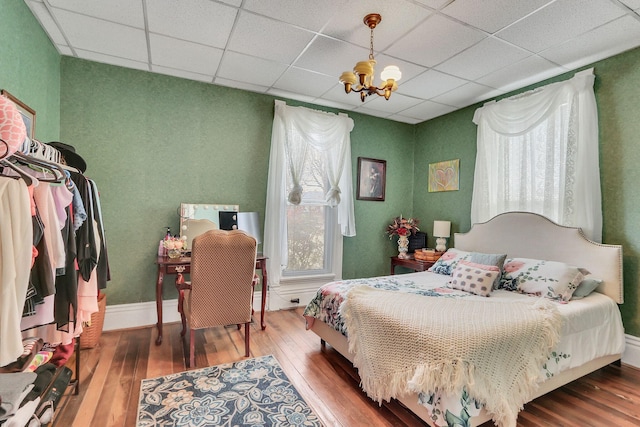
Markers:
(474, 278)
(550, 279)
(588, 285)
(448, 261)
(490, 259)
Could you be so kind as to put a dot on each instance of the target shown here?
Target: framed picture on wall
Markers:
(444, 176)
(372, 179)
(28, 114)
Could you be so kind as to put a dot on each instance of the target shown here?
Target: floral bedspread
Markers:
(445, 410)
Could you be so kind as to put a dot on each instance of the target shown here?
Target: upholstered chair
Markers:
(221, 288)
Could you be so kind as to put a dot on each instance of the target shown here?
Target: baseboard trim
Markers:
(136, 315)
(631, 355)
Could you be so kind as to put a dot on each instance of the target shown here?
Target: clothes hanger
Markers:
(22, 175)
(58, 173)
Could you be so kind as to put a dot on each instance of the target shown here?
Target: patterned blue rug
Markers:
(252, 392)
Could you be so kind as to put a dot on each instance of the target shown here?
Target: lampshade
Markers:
(391, 72)
(249, 222)
(441, 228)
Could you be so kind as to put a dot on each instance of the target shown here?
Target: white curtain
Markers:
(295, 131)
(538, 152)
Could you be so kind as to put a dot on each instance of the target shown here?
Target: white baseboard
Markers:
(631, 355)
(136, 315)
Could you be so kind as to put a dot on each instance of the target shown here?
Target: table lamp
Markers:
(249, 222)
(441, 230)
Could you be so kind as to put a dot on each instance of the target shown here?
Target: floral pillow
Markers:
(550, 279)
(448, 261)
(474, 278)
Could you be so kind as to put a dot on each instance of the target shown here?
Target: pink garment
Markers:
(62, 198)
(16, 237)
(53, 238)
(88, 292)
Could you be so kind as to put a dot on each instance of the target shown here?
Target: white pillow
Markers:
(550, 279)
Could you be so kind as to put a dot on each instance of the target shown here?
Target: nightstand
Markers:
(411, 263)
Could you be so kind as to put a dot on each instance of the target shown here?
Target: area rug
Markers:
(251, 392)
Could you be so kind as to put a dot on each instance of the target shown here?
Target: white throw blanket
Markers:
(409, 343)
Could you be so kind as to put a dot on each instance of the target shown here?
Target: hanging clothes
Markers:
(16, 236)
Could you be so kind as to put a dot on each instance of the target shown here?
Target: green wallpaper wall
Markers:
(617, 90)
(153, 141)
(30, 66)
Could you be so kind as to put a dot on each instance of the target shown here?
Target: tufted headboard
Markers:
(529, 235)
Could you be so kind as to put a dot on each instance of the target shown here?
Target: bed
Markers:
(590, 334)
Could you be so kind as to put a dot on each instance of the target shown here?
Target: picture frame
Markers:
(372, 179)
(444, 176)
(28, 113)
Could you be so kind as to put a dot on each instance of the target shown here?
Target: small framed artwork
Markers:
(28, 114)
(372, 178)
(444, 176)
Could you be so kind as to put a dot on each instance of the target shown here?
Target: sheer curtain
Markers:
(538, 152)
(296, 130)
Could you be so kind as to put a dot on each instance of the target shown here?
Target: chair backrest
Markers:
(222, 269)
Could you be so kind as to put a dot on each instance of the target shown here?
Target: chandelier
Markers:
(364, 71)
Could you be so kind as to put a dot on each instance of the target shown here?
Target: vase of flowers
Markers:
(174, 246)
(403, 228)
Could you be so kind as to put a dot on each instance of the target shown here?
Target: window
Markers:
(309, 196)
(538, 152)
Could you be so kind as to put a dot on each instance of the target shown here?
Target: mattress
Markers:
(591, 328)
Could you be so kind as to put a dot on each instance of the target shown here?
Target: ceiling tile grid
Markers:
(452, 53)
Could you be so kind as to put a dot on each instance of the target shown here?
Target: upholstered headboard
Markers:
(529, 235)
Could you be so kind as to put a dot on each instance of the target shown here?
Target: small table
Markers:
(181, 266)
(411, 263)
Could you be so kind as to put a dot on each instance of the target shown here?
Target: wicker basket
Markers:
(91, 334)
(424, 255)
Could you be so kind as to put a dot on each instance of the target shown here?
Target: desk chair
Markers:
(221, 287)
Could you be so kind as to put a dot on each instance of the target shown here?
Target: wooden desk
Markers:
(182, 265)
(412, 263)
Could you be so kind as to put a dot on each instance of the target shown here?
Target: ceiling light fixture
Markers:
(364, 71)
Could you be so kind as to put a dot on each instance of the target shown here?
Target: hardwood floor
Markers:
(111, 375)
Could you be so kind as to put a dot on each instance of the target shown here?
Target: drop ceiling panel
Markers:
(395, 104)
(181, 73)
(309, 14)
(608, 40)
(528, 71)
(304, 82)
(202, 21)
(467, 94)
(451, 53)
(348, 25)
(112, 60)
(265, 38)
(92, 34)
(427, 110)
(558, 22)
(493, 15)
(331, 57)
(125, 12)
(481, 59)
(439, 39)
(249, 69)
(182, 55)
(429, 84)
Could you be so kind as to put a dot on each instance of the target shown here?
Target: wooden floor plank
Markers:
(325, 379)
